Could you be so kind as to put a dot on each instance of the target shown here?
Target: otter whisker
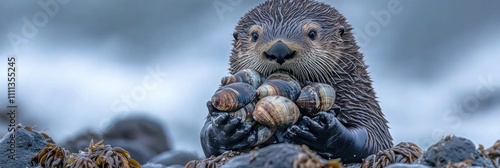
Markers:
(330, 70)
(351, 56)
(334, 65)
(342, 68)
(319, 71)
(314, 69)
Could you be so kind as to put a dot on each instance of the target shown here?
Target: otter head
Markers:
(308, 39)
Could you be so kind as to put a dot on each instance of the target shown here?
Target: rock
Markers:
(276, 155)
(405, 165)
(25, 142)
(153, 165)
(404, 152)
(212, 161)
(281, 155)
(171, 158)
(352, 165)
(81, 140)
(142, 136)
(137, 150)
(493, 152)
(453, 150)
(95, 155)
(142, 129)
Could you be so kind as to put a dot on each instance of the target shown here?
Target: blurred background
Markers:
(82, 64)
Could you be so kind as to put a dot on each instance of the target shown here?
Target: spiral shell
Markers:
(276, 112)
(279, 84)
(316, 97)
(263, 134)
(249, 76)
(233, 96)
(245, 113)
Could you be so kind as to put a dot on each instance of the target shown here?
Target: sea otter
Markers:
(312, 41)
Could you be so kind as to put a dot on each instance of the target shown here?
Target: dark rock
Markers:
(213, 161)
(136, 149)
(352, 165)
(404, 152)
(26, 143)
(170, 158)
(451, 150)
(493, 152)
(142, 129)
(279, 155)
(81, 141)
(153, 165)
(142, 136)
(405, 165)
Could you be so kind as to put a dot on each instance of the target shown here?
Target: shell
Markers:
(249, 76)
(233, 96)
(263, 134)
(316, 97)
(279, 84)
(276, 112)
(245, 113)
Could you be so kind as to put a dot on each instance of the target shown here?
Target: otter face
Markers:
(303, 37)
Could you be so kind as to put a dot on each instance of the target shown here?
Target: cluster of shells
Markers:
(275, 102)
(96, 155)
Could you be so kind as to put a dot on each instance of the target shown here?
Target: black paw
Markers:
(329, 138)
(223, 132)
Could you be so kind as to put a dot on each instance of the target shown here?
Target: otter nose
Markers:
(279, 52)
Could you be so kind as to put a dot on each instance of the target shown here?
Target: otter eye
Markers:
(341, 30)
(312, 34)
(235, 35)
(255, 36)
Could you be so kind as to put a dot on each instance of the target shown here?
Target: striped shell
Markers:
(279, 84)
(245, 113)
(316, 97)
(233, 96)
(263, 134)
(276, 112)
(249, 76)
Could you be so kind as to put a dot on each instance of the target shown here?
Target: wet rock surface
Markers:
(142, 129)
(154, 165)
(454, 150)
(493, 152)
(174, 158)
(405, 165)
(212, 161)
(450, 152)
(24, 142)
(405, 152)
(142, 136)
(277, 155)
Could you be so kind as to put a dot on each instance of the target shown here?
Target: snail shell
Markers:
(279, 84)
(245, 113)
(233, 96)
(316, 97)
(276, 112)
(249, 76)
(263, 134)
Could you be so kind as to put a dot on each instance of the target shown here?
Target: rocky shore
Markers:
(136, 142)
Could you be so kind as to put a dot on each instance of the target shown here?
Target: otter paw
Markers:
(223, 132)
(229, 130)
(329, 138)
(313, 131)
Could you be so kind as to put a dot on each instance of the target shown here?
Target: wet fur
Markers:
(332, 58)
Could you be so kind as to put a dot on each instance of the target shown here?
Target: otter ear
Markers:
(235, 35)
(341, 30)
